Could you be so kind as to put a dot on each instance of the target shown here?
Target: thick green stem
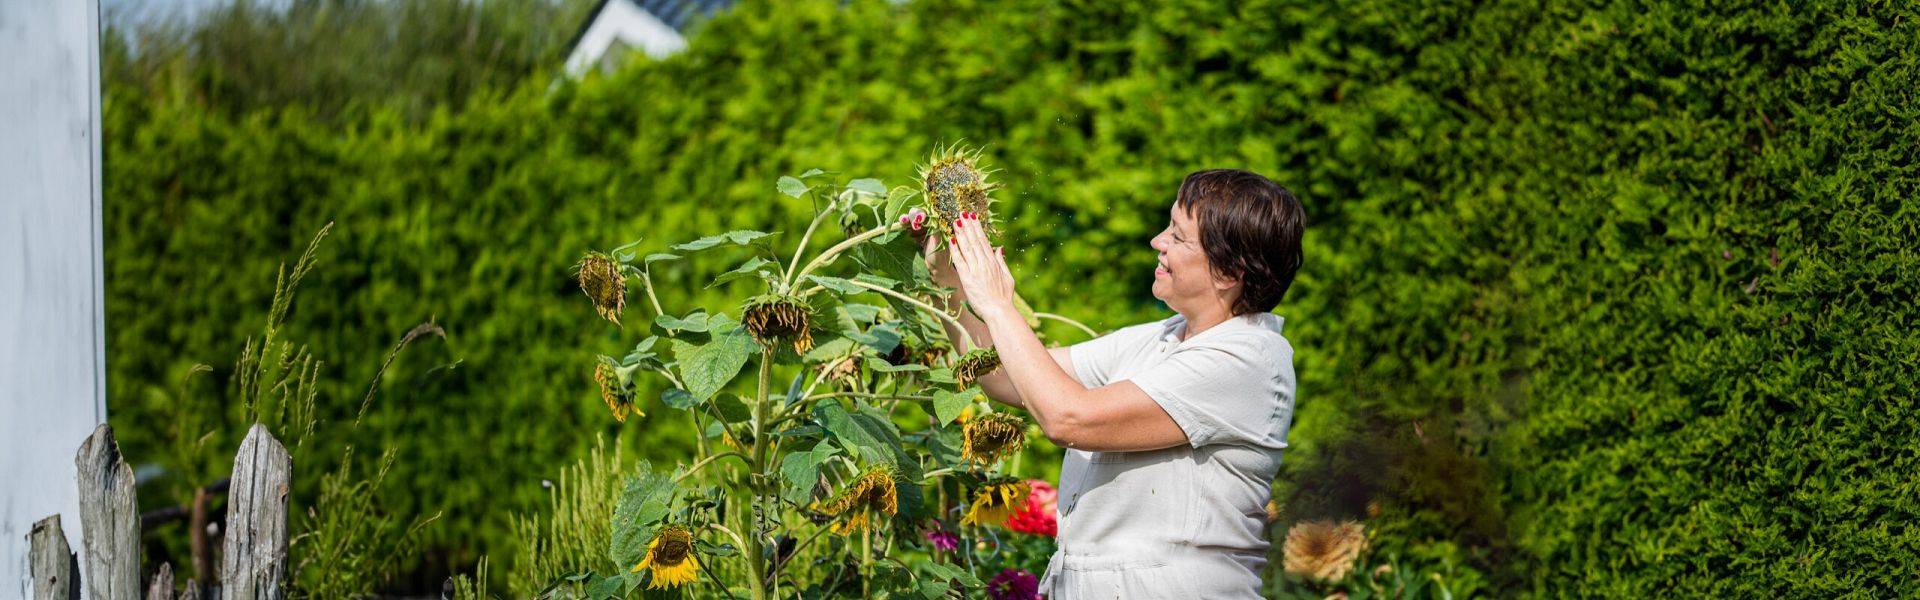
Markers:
(756, 549)
(1081, 326)
(794, 278)
(963, 344)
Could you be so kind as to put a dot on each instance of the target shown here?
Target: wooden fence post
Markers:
(109, 519)
(162, 586)
(55, 575)
(253, 564)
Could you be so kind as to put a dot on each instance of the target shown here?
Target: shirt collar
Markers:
(1170, 332)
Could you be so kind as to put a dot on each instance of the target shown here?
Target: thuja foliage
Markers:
(1599, 299)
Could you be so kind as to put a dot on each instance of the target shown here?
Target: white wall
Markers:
(52, 381)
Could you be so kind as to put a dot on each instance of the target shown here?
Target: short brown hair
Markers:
(1250, 229)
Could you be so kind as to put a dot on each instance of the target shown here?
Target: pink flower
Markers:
(1038, 517)
(943, 539)
(1014, 584)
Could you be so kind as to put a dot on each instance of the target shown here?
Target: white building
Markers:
(617, 27)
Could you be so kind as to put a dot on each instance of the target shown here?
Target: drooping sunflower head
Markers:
(602, 282)
(617, 391)
(1324, 550)
(955, 184)
(777, 318)
(875, 492)
(976, 363)
(671, 558)
(992, 437)
(996, 501)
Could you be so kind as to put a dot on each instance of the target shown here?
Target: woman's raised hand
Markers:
(981, 267)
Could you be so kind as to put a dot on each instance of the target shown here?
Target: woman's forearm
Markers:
(1043, 386)
(996, 384)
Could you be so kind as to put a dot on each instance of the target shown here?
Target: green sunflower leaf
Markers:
(754, 266)
(947, 405)
(800, 471)
(792, 186)
(706, 368)
(695, 322)
(645, 499)
(868, 186)
(739, 237)
(837, 284)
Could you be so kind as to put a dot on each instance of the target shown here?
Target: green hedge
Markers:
(1599, 299)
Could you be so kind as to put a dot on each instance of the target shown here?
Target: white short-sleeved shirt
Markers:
(1186, 521)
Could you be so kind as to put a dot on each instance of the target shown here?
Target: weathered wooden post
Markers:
(109, 518)
(253, 564)
(55, 574)
(162, 586)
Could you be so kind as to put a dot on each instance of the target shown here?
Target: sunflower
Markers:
(670, 556)
(991, 437)
(875, 491)
(955, 185)
(996, 500)
(976, 363)
(1324, 550)
(616, 390)
(776, 318)
(601, 280)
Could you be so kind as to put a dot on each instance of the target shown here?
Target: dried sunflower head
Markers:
(954, 185)
(976, 363)
(845, 370)
(601, 280)
(777, 318)
(1324, 550)
(996, 500)
(671, 558)
(616, 390)
(991, 437)
(875, 492)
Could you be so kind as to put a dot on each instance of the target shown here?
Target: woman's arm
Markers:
(1117, 417)
(997, 385)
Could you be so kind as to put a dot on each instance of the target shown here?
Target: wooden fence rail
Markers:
(253, 556)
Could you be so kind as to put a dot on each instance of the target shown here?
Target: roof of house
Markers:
(677, 14)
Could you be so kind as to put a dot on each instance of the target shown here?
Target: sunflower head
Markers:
(601, 280)
(778, 318)
(615, 390)
(991, 437)
(976, 363)
(876, 491)
(1324, 550)
(670, 556)
(996, 501)
(955, 184)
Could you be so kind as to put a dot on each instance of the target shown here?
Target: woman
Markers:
(1173, 428)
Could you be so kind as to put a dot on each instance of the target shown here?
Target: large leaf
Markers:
(695, 322)
(800, 471)
(868, 186)
(738, 237)
(644, 501)
(894, 257)
(837, 284)
(948, 405)
(706, 368)
(869, 435)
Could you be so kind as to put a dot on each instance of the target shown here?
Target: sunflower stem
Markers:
(794, 278)
(1082, 326)
(802, 248)
(756, 559)
(965, 342)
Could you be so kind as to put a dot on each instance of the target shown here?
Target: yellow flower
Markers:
(775, 318)
(995, 501)
(615, 390)
(1323, 550)
(670, 556)
(992, 437)
(601, 280)
(874, 492)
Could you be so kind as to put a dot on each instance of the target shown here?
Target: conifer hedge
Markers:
(1599, 298)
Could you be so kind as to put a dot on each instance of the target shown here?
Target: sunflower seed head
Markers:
(954, 184)
(992, 437)
(976, 363)
(601, 280)
(776, 318)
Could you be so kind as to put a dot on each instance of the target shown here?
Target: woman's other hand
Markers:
(981, 269)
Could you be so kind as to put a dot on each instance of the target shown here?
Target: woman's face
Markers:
(1183, 279)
